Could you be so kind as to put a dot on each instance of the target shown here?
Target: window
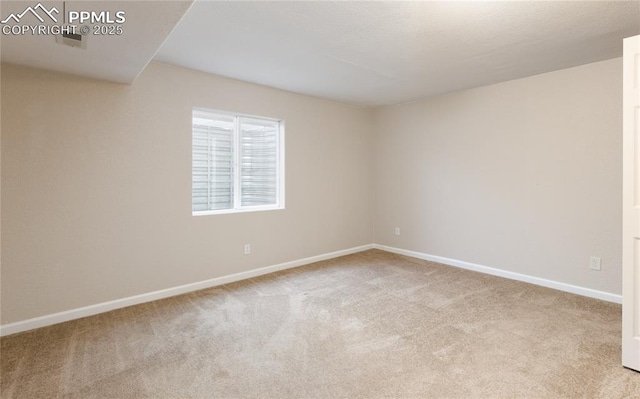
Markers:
(237, 164)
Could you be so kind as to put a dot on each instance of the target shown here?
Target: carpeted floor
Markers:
(369, 325)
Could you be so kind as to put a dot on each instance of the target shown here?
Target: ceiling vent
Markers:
(72, 39)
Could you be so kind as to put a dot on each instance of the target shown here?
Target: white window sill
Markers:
(240, 210)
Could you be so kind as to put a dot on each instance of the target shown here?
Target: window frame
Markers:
(237, 149)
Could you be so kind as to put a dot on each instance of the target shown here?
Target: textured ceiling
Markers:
(376, 53)
(117, 58)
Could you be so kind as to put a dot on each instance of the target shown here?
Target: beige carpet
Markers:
(369, 325)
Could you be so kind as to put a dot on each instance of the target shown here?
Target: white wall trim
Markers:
(574, 289)
(55, 318)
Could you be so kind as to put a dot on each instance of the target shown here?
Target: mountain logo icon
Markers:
(33, 10)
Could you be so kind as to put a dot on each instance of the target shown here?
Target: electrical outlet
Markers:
(594, 263)
(397, 231)
(247, 249)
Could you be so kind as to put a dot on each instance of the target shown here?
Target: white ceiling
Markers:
(118, 58)
(363, 53)
(375, 53)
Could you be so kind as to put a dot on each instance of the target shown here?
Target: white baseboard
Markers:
(78, 313)
(91, 310)
(574, 289)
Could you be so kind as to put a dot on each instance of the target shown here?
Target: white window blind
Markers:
(237, 163)
(259, 162)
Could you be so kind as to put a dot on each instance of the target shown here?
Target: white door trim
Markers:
(631, 205)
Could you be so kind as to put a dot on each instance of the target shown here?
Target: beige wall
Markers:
(96, 180)
(523, 176)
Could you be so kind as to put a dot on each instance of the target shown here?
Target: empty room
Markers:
(320, 199)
